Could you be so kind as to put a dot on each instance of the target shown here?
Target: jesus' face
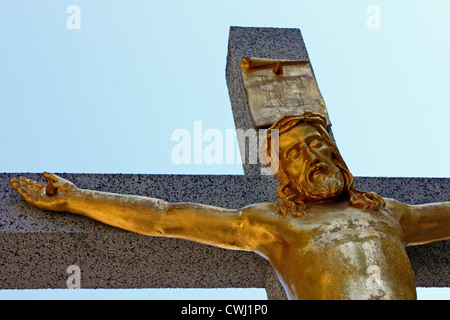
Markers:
(307, 160)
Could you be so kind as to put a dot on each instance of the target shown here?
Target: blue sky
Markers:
(106, 98)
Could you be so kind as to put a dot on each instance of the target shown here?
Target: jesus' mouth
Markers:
(319, 183)
(319, 170)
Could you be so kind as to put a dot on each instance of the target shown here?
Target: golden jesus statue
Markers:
(324, 238)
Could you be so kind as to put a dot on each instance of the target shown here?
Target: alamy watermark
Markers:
(214, 146)
(74, 279)
(73, 21)
(373, 21)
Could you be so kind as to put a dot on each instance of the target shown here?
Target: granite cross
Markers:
(38, 247)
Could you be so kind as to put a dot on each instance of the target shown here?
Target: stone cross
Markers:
(40, 249)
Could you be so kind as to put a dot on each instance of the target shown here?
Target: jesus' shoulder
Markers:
(422, 223)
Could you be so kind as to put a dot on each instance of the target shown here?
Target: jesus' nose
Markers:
(310, 156)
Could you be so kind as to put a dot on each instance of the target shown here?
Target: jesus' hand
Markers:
(53, 195)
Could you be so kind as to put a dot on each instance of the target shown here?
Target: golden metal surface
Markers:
(277, 88)
(324, 238)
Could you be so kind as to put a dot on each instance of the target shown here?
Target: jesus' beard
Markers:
(321, 182)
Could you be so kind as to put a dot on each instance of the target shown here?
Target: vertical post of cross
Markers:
(269, 43)
(261, 43)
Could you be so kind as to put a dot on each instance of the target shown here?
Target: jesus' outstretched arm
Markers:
(227, 228)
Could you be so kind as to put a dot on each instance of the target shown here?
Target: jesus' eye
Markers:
(316, 144)
(294, 154)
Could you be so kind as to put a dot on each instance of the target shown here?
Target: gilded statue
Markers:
(324, 238)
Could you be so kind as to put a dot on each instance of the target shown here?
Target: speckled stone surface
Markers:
(37, 246)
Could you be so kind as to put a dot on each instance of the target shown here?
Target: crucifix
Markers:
(324, 238)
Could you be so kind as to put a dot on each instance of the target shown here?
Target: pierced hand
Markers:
(51, 196)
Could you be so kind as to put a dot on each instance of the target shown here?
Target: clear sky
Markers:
(106, 98)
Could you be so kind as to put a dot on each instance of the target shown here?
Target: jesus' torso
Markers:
(340, 252)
